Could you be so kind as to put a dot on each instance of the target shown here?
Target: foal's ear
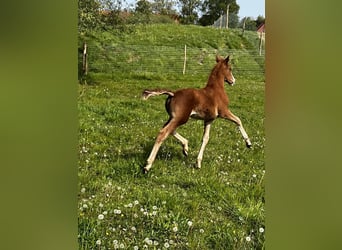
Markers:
(218, 59)
(226, 60)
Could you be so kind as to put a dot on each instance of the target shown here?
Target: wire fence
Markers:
(136, 59)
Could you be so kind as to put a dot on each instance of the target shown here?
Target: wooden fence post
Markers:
(184, 60)
(260, 42)
(85, 59)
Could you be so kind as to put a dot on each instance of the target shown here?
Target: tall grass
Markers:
(220, 206)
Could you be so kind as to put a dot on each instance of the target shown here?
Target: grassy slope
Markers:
(224, 200)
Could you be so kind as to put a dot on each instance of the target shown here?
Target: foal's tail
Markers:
(153, 92)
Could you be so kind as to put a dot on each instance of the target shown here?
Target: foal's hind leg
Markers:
(163, 134)
(183, 141)
(230, 116)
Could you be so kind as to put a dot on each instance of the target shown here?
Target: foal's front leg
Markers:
(204, 143)
(230, 116)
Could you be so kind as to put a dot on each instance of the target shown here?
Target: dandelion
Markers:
(189, 223)
(117, 211)
(100, 205)
(254, 175)
(154, 208)
(154, 213)
(122, 245)
(98, 242)
(156, 243)
(248, 238)
(261, 229)
(136, 202)
(105, 213)
(100, 217)
(175, 229)
(201, 231)
(85, 206)
(83, 190)
(219, 208)
(166, 245)
(130, 205)
(133, 229)
(135, 247)
(115, 242)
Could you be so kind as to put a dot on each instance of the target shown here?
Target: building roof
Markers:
(261, 28)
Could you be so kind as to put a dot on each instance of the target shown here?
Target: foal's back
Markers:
(197, 103)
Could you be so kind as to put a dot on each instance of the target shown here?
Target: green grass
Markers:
(175, 205)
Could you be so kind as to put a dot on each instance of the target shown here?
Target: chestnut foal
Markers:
(206, 104)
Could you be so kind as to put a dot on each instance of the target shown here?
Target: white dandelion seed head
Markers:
(261, 229)
(98, 242)
(189, 223)
(166, 245)
(175, 229)
(248, 238)
(100, 217)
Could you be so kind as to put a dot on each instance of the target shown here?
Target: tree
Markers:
(163, 7)
(213, 9)
(250, 23)
(88, 15)
(143, 7)
(260, 20)
(189, 10)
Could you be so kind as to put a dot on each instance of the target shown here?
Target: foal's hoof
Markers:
(185, 153)
(146, 169)
(249, 145)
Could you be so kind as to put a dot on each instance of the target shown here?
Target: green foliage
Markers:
(213, 9)
(220, 206)
(189, 10)
(88, 15)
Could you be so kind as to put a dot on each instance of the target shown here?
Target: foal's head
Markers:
(226, 69)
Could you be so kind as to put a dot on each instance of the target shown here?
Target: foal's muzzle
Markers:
(230, 82)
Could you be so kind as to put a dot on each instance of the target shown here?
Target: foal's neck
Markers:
(215, 80)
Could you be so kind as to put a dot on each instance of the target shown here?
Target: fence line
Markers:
(169, 60)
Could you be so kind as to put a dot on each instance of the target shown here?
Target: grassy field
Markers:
(175, 206)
